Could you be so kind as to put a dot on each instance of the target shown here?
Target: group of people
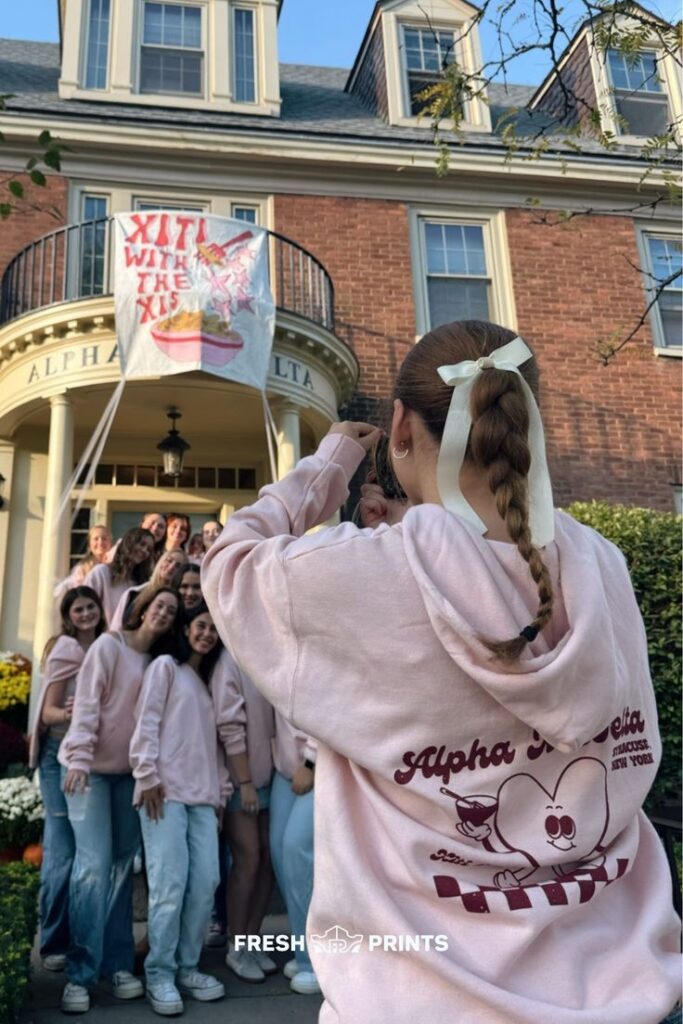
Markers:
(465, 676)
(150, 741)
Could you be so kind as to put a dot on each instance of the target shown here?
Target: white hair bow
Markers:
(461, 377)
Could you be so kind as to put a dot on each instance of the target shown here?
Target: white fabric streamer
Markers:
(461, 377)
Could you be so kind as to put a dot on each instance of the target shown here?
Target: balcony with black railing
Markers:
(76, 262)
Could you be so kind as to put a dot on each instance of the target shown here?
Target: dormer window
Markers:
(639, 95)
(97, 47)
(406, 49)
(212, 55)
(171, 54)
(426, 53)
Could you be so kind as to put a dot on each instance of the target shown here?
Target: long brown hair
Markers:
(498, 441)
(68, 628)
(122, 566)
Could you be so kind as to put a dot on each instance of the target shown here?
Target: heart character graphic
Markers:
(570, 821)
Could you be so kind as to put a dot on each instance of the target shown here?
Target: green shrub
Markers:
(651, 542)
(19, 885)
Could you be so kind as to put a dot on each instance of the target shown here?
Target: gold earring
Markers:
(400, 453)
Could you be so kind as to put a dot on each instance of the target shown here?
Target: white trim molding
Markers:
(217, 34)
(492, 222)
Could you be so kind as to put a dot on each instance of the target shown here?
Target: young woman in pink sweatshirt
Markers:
(132, 564)
(477, 678)
(162, 576)
(99, 793)
(180, 787)
(245, 726)
(82, 622)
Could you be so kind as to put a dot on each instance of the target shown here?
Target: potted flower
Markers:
(15, 688)
(21, 816)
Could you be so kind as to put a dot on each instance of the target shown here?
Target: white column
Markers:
(54, 556)
(288, 437)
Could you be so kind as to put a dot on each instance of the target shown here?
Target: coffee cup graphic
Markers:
(475, 810)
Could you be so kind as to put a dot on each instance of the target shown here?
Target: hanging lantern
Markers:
(173, 447)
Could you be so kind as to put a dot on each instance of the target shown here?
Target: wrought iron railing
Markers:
(76, 262)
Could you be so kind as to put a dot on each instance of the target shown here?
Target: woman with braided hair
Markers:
(474, 669)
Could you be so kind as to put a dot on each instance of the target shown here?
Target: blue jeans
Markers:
(181, 853)
(58, 854)
(291, 847)
(101, 889)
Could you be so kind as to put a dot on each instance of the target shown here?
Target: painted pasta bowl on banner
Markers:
(190, 336)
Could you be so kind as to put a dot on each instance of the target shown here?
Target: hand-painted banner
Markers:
(192, 293)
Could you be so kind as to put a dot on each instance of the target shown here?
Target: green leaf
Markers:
(38, 178)
(5, 210)
(16, 188)
(53, 159)
(44, 139)
(30, 164)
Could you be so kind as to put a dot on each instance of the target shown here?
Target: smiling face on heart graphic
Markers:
(550, 827)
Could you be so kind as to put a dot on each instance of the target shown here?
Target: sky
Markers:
(326, 32)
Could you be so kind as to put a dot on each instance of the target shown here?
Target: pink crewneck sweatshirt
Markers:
(175, 742)
(291, 747)
(62, 666)
(497, 807)
(116, 621)
(100, 579)
(244, 717)
(107, 690)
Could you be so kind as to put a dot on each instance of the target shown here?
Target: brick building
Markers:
(182, 105)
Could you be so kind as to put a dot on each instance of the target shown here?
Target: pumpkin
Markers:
(33, 854)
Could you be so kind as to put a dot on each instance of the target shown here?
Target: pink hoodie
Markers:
(291, 747)
(498, 808)
(106, 693)
(62, 665)
(100, 579)
(175, 742)
(244, 717)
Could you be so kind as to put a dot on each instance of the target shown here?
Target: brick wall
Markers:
(43, 210)
(370, 85)
(613, 432)
(364, 245)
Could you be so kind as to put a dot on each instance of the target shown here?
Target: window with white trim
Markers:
(93, 245)
(457, 281)
(639, 95)
(245, 213)
(665, 260)
(426, 52)
(162, 204)
(244, 56)
(171, 52)
(97, 45)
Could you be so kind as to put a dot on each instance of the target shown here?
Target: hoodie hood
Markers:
(567, 683)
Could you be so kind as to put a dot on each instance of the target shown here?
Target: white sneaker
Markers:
(243, 964)
(305, 983)
(267, 965)
(125, 985)
(164, 998)
(291, 968)
(54, 962)
(75, 998)
(215, 935)
(203, 987)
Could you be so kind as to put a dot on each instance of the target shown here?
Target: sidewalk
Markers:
(271, 1002)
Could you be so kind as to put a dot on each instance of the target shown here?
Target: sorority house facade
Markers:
(182, 105)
